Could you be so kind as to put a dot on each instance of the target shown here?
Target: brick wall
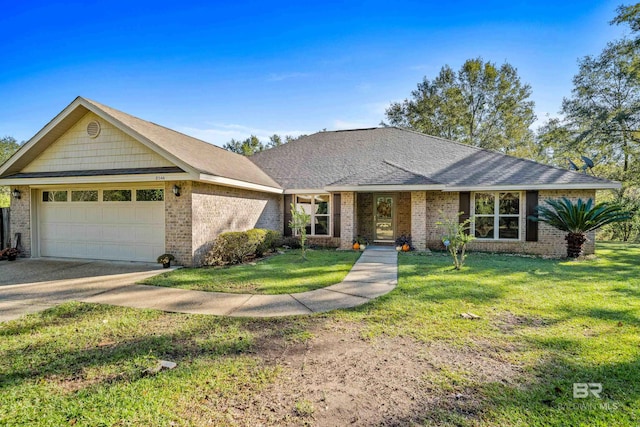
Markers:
(418, 217)
(439, 203)
(323, 242)
(403, 213)
(20, 219)
(550, 241)
(178, 220)
(348, 225)
(217, 209)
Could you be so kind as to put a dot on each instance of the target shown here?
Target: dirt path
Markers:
(337, 378)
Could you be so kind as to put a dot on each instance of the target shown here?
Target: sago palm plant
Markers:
(579, 218)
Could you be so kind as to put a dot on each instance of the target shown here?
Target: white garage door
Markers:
(112, 224)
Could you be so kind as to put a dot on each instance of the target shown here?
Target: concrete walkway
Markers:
(374, 274)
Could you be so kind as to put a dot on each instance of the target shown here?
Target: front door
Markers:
(383, 216)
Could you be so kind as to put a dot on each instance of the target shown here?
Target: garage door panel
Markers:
(78, 214)
(132, 231)
(126, 215)
(93, 232)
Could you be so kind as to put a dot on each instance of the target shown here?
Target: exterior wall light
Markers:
(176, 190)
(16, 194)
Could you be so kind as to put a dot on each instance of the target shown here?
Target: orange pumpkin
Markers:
(406, 247)
(356, 246)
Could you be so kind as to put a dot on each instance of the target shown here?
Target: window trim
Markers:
(496, 216)
(328, 215)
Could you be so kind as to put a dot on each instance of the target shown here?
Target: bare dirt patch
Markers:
(337, 378)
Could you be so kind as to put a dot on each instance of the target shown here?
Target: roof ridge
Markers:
(409, 170)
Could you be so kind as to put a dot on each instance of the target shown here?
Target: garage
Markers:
(116, 223)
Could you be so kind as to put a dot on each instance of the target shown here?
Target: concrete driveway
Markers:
(30, 285)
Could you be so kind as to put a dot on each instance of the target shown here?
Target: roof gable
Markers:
(111, 149)
(190, 154)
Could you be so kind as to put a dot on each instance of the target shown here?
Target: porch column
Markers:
(347, 219)
(419, 219)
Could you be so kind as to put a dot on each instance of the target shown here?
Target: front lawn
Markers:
(278, 274)
(406, 358)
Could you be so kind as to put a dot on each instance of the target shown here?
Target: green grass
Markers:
(552, 323)
(559, 322)
(278, 274)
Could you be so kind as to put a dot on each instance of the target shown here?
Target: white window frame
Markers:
(314, 215)
(496, 216)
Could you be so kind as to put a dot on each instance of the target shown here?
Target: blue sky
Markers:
(222, 70)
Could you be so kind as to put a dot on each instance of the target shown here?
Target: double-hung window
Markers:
(496, 215)
(316, 205)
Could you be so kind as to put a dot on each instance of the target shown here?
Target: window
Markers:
(54, 196)
(316, 205)
(116, 196)
(149, 195)
(84, 196)
(497, 215)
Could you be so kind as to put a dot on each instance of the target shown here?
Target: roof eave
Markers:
(383, 187)
(229, 182)
(96, 179)
(612, 185)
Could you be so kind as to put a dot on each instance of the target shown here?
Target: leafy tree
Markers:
(247, 147)
(481, 105)
(456, 237)
(8, 146)
(578, 219)
(253, 144)
(275, 140)
(603, 113)
(628, 15)
(299, 222)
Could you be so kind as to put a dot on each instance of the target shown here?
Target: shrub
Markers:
(404, 240)
(272, 239)
(292, 242)
(264, 240)
(299, 221)
(456, 237)
(232, 247)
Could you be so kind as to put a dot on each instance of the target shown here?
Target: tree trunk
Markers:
(574, 244)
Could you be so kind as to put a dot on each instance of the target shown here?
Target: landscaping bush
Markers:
(272, 239)
(264, 240)
(235, 247)
(232, 247)
(292, 242)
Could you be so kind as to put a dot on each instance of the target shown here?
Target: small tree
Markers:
(299, 221)
(456, 237)
(578, 219)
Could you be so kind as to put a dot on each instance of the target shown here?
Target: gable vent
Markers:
(93, 129)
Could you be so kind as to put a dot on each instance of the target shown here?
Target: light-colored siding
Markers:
(111, 149)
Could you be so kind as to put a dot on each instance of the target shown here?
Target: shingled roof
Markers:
(394, 156)
(188, 152)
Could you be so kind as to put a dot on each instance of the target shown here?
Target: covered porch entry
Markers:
(383, 216)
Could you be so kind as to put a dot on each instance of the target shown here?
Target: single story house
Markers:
(98, 183)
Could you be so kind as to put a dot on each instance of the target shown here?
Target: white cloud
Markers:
(221, 133)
